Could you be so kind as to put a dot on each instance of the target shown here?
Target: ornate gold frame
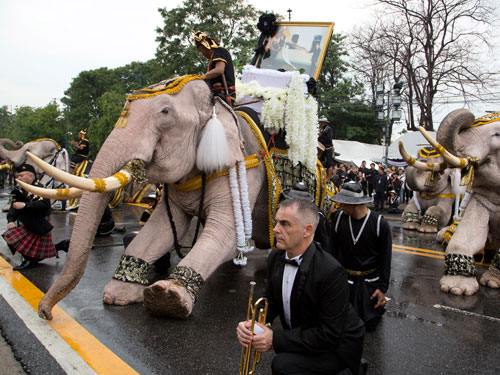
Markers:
(267, 63)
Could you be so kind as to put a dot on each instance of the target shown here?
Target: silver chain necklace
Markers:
(355, 240)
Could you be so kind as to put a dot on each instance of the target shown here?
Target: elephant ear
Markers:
(219, 145)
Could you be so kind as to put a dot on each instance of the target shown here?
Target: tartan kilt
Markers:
(30, 244)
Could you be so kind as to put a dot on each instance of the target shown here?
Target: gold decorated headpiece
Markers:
(83, 132)
(205, 40)
(169, 86)
(428, 152)
(487, 119)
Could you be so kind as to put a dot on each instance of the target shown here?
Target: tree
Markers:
(434, 45)
(230, 22)
(340, 97)
(28, 124)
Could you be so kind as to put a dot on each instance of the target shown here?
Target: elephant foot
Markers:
(491, 278)
(459, 285)
(122, 293)
(427, 228)
(168, 298)
(45, 309)
(411, 225)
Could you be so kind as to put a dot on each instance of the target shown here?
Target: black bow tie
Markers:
(291, 262)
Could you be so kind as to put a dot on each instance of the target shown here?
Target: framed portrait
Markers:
(297, 46)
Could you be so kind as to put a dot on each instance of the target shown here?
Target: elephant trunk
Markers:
(451, 126)
(10, 143)
(90, 211)
(16, 155)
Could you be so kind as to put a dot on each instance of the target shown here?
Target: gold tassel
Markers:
(468, 173)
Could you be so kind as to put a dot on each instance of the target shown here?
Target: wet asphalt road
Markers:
(424, 330)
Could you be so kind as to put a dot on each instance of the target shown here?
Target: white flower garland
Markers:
(241, 241)
(288, 109)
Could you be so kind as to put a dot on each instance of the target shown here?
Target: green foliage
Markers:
(230, 22)
(341, 97)
(28, 124)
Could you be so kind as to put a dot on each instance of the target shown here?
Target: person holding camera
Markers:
(28, 226)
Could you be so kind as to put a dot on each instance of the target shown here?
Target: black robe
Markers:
(372, 251)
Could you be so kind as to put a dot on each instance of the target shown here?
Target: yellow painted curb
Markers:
(92, 351)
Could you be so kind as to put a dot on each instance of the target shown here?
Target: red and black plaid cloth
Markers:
(29, 244)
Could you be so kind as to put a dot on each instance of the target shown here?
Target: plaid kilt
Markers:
(29, 244)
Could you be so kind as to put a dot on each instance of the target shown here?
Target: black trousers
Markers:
(379, 201)
(307, 364)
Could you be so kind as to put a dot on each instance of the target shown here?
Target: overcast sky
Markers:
(46, 44)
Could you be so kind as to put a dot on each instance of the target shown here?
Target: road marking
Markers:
(64, 338)
(70, 362)
(467, 313)
(419, 249)
(417, 253)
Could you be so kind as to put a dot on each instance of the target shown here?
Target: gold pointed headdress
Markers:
(205, 40)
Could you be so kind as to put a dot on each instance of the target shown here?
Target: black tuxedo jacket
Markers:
(322, 318)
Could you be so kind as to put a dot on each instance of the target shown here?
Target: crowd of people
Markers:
(387, 186)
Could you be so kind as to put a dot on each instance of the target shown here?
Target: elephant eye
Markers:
(165, 110)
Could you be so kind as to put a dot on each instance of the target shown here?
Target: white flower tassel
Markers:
(245, 204)
(238, 217)
(213, 151)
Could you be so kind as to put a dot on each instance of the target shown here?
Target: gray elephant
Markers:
(162, 128)
(431, 207)
(474, 147)
(45, 148)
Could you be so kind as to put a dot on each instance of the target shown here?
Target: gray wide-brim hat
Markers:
(351, 193)
(323, 119)
(298, 191)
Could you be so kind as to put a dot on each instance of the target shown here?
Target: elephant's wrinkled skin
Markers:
(164, 131)
(479, 227)
(431, 205)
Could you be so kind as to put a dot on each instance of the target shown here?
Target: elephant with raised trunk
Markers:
(45, 148)
(162, 128)
(431, 207)
(473, 145)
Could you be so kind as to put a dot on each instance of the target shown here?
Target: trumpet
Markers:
(246, 353)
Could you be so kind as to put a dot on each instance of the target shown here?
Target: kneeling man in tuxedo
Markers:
(307, 288)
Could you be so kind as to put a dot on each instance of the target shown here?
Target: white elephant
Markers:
(163, 128)
(473, 145)
(431, 207)
(45, 148)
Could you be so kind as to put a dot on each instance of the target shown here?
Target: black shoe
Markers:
(25, 265)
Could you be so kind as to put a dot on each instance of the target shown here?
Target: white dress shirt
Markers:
(288, 279)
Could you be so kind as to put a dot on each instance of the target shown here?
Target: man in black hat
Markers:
(82, 150)
(28, 227)
(362, 242)
(325, 137)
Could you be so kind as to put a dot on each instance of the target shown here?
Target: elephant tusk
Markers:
(448, 157)
(418, 164)
(100, 185)
(58, 194)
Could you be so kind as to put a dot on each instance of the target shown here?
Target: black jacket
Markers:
(322, 318)
(381, 183)
(34, 215)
